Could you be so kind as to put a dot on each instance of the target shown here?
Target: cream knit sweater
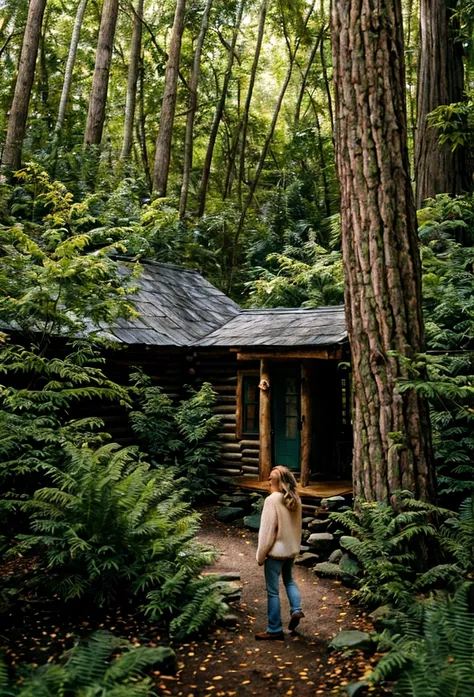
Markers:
(280, 530)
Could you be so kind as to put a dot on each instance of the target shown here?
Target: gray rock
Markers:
(229, 621)
(307, 521)
(333, 503)
(336, 556)
(350, 569)
(321, 541)
(351, 639)
(165, 660)
(306, 559)
(228, 514)
(318, 525)
(328, 570)
(253, 521)
(240, 501)
(228, 576)
(303, 549)
(384, 617)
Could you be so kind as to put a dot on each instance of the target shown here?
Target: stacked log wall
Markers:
(239, 456)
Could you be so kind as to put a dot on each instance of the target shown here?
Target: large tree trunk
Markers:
(440, 81)
(206, 170)
(192, 107)
(71, 60)
(11, 157)
(100, 81)
(133, 69)
(392, 445)
(168, 107)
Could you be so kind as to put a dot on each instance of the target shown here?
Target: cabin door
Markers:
(286, 405)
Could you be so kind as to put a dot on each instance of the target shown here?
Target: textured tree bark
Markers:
(306, 422)
(440, 81)
(71, 60)
(100, 80)
(141, 123)
(392, 444)
(206, 170)
(192, 107)
(168, 106)
(132, 81)
(11, 156)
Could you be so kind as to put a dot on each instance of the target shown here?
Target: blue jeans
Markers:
(273, 569)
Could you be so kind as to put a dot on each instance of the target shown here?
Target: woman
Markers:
(279, 542)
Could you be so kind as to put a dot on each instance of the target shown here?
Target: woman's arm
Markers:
(268, 530)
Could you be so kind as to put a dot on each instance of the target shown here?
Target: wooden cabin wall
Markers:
(239, 456)
(167, 368)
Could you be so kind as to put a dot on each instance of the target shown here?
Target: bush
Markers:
(91, 668)
(113, 528)
(181, 434)
(433, 656)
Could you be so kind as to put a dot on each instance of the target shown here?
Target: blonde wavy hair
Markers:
(288, 485)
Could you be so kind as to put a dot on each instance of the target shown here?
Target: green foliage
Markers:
(110, 528)
(387, 544)
(433, 656)
(92, 668)
(183, 434)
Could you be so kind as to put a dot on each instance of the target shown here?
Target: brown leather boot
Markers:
(295, 620)
(267, 636)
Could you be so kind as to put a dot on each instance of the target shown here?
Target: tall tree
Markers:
(206, 170)
(100, 80)
(168, 107)
(11, 156)
(440, 81)
(392, 444)
(71, 60)
(248, 100)
(132, 82)
(192, 107)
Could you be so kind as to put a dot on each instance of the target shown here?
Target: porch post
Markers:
(306, 426)
(265, 464)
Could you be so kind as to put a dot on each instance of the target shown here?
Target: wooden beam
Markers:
(325, 354)
(265, 464)
(306, 425)
(239, 409)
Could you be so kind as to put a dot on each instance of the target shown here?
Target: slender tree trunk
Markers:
(71, 60)
(248, 100)
(168, 107)
(305, 76)
(218, 113)
(264, 153)
(100, 81)
(326, 84)
(192, 107)
(133, 68)
(141, 128)
(11, 157)
(440, 81)
(392, 444)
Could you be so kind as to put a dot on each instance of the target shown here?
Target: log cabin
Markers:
(282, 375)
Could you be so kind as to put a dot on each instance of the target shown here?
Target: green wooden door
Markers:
(286, 403)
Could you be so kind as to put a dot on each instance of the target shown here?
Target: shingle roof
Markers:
(281, 327)
(177, 307)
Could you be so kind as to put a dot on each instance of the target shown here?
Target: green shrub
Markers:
(401, 551)
(433, 655)
(113, 528)
(91, 669)
(183, 434)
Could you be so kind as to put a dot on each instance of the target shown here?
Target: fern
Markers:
(90, 669)
(113, 527)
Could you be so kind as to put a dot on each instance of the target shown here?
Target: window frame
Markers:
(241, 403)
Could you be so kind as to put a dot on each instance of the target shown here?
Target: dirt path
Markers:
(233, 663)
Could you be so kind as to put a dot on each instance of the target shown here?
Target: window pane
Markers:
(250, 410)
(251, 418)
(252, 391)
(291, 427)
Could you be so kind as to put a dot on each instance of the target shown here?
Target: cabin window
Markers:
(250, 404)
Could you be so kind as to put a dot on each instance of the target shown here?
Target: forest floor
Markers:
(228, 662)
(232, 663)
